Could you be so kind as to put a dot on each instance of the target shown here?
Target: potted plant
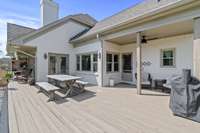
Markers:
(8, 76)
(4, 78)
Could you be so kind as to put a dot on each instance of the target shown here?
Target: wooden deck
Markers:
(99, 110)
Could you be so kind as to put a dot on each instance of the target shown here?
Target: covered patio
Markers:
(98, 110)
(23, 61)
(146, 44)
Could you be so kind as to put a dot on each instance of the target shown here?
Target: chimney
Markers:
(49, 11)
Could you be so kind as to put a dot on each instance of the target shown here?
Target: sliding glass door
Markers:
(58, 63)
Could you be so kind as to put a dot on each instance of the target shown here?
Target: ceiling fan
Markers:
(145, 39)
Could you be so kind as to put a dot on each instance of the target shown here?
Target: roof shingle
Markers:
(133, 12)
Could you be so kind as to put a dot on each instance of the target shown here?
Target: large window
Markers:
(95, 59)
(58, 64)
(168, 57)
(112, 62)
(127, 63)
(78, 62)
(52, 65)
(63, 65)
(109, 62)
(87, 62)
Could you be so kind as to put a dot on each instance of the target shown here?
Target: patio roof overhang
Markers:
(156, 18)
(170, 30)
(22, 49)
(153, 30)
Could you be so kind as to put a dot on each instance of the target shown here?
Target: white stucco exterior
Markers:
(55, 41)
(47, 43)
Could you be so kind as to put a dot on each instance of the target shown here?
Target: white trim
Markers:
(174, 57)
(23, 52)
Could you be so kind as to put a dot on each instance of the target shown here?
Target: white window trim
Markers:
(174, 58)
(58, 59)
(91, 63)
(78, 63)
(94, 62)
(113, 63)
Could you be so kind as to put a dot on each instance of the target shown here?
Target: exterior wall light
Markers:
(45, 56)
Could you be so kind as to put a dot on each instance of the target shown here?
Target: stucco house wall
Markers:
(184, 55)
(55, 41)
(150, 53)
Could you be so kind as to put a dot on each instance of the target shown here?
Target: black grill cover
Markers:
(185, 96)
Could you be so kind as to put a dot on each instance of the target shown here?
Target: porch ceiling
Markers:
(29, 50)
(185, 27)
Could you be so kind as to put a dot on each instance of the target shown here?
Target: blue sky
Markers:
(27, 12)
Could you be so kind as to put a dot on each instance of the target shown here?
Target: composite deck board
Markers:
(3, 111)
(100, 110)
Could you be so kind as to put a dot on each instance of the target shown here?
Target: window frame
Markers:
(173, 58)
(58, 64)
(78, 63)
(113, 62)
(92, 62)
(89, 55)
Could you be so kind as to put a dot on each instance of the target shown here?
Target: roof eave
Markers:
(139, 18)
(28, 37)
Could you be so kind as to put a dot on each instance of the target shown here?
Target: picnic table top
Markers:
(63, 77)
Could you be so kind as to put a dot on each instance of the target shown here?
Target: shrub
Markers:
(8, 75)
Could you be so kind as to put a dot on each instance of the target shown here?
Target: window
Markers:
(78, 63)
(127, 63)
(52, 65)
(116, 63)
(63, 65)
(109, 62)
(112, 63)
(168, 58)
(87, 62)
(58, 63)
(95, 59)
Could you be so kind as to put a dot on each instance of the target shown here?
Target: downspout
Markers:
(102, 60)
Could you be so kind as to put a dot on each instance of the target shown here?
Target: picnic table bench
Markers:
(71, 82)
(49, 88)
(81, 84)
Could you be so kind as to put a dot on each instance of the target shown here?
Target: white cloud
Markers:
(16, 19)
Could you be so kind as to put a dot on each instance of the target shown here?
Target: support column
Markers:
(101, 61)
(139, 47)
(196, 48)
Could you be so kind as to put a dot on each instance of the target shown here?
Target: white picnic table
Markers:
(67, 79)
(63, 78)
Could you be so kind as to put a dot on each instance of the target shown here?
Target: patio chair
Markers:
(146, 79)
(24, 76)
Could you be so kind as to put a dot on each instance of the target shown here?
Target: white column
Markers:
(139, 63)
(101, 62)
(196, 48)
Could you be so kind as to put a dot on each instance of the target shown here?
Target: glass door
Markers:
(58, 64)
(127, 67)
